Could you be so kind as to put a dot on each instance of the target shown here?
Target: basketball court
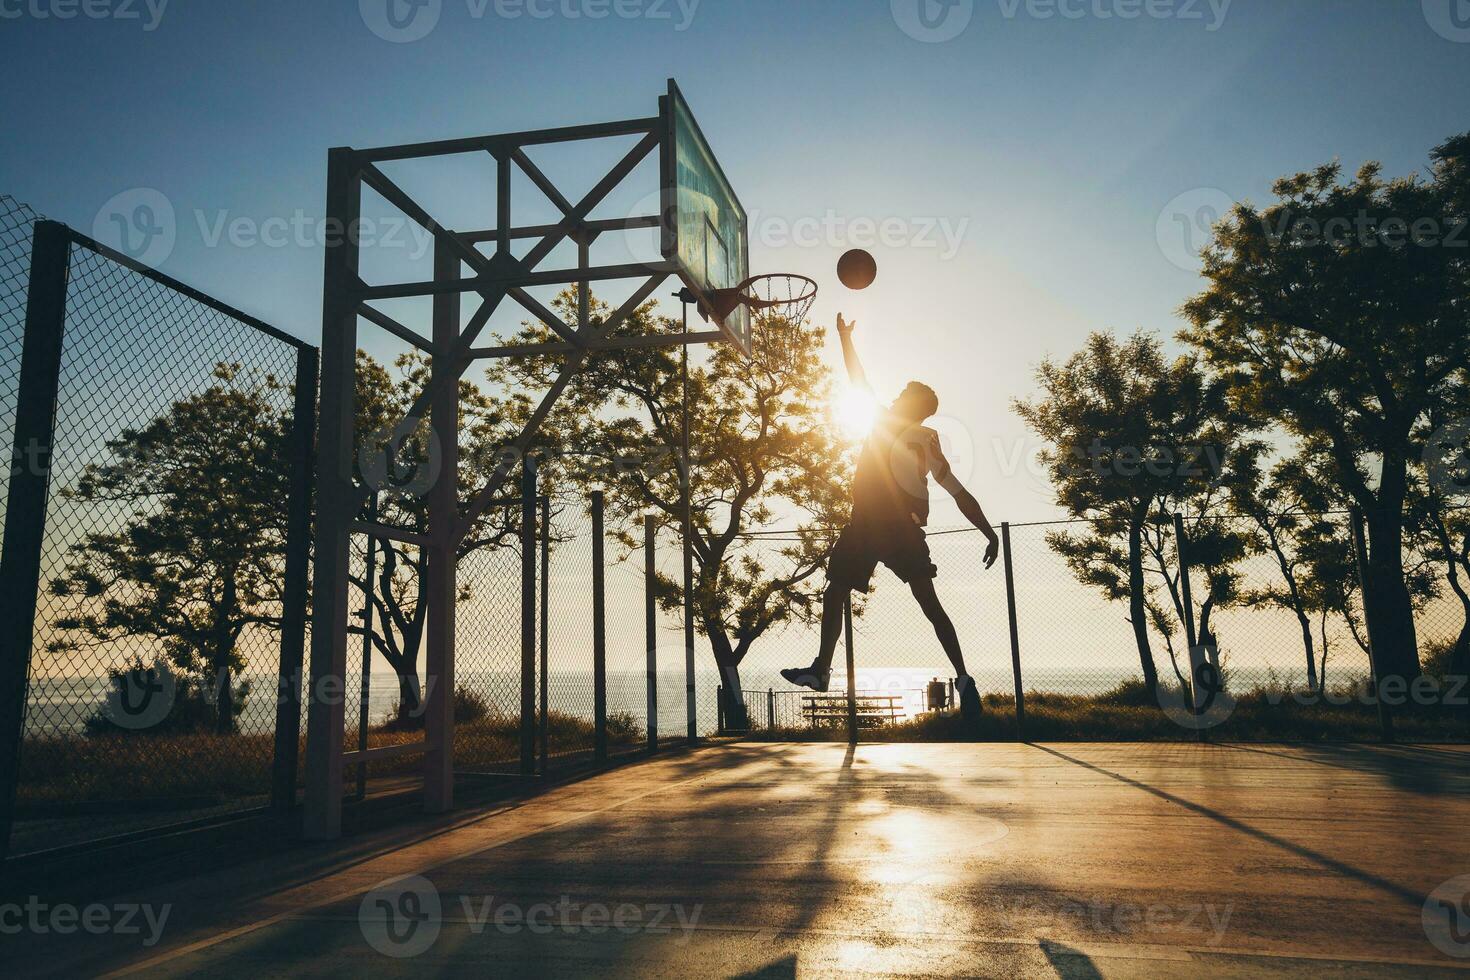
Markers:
(819, 859)
(732, 858)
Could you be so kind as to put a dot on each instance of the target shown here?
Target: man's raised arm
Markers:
(855, 372)
(965, 500)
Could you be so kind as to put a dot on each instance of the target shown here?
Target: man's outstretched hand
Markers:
(991, 550)
(843, 327)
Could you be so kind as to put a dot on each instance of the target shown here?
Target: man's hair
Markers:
(923, 396)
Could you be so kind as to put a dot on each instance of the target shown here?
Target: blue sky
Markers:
(1047, 143)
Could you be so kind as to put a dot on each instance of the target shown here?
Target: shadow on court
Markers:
(780, 860)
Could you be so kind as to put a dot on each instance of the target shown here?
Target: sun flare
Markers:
(855, 410)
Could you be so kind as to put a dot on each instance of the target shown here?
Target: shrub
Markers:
(469, 705)
(194, 708)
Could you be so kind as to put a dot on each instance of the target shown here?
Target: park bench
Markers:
(873, 710)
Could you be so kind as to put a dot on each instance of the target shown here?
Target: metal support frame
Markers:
(443, 548)
(459, 267)
(337, 502)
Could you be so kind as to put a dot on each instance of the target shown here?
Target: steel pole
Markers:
(687, 492)
(650, 625)
(1005, 540)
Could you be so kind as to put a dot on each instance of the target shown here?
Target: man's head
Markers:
(916, 403)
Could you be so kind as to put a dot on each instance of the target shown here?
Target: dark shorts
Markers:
(862, 545)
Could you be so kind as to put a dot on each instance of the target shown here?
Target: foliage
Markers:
(198, 560)
(1133, 438)
(762, 449)
(1339, 313)
(402, 471)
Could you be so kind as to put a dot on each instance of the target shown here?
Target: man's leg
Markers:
(970, 707)
(834, 601)
(923, 589)
(819, 674)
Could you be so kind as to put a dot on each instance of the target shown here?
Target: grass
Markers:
(198, 770)
(191, 770)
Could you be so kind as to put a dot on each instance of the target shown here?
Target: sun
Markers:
(855, 410)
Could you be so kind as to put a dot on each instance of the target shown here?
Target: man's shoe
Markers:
(970, 708)
(810, 677)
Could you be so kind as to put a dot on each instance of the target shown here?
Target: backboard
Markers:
(704, 225)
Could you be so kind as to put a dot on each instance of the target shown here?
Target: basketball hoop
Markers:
(784, 295)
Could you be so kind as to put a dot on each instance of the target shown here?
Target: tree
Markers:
(762, 447)
(1133, 436)
(1340, 312)
(1328, 581)
(199, 558)
(402, 475)
(1288, 514)
(1440, 518)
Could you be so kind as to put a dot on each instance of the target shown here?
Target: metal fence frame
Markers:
(29, 490)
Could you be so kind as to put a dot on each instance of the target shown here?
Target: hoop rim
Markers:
(725, 300)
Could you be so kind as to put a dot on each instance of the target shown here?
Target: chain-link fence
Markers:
(1260, 611)
(162, 499)
(16, 223)
(490, 632)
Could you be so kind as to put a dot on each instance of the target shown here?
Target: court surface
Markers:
(1075, 860)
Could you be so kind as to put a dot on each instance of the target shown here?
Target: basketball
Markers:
(857, 269)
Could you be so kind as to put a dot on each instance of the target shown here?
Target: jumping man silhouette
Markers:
(890, 507)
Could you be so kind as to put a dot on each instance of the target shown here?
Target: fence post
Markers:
(1196, 653)
(650, 626)
(599, 631)
(770, 710)
(365, 687)
(1005, 540)
(1360, 559)
(25, 511)
(545, 631)
(852, 720)
(298, 568)
(528, 615)
(720, 709)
